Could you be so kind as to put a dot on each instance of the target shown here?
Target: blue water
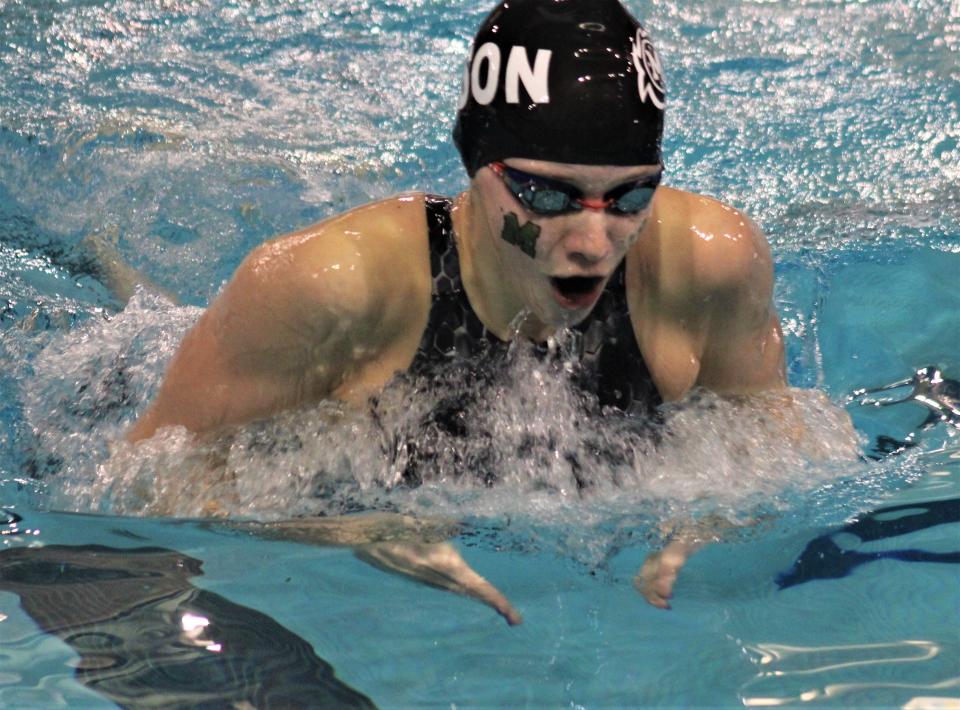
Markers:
(183, 133)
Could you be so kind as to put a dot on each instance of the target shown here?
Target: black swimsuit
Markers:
(611, 365)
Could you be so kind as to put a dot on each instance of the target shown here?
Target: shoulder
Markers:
(707, 244)
(370, 233)
(367, 262)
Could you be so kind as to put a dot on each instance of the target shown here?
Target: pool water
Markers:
(179, 134)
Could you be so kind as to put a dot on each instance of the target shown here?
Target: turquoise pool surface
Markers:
(179, 134)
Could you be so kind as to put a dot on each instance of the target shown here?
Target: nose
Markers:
(588, 241)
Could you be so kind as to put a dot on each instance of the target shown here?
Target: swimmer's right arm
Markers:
(329, 312)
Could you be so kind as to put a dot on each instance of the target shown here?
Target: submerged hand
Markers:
(384, 541)
(439, 565)
(658, 574)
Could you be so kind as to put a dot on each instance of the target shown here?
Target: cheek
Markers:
(632, 231)
(511, 225)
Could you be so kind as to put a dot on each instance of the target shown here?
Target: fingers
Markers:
(441, 566)
(378, 540)
(655, 586)
(658, 574)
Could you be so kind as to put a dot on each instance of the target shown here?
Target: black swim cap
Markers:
(570, 81)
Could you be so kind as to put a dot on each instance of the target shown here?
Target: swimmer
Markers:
(566, 223)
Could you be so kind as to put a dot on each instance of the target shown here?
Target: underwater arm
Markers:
(438, 565)
(410, 547)
(659, 572)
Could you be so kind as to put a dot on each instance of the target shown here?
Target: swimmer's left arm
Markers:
(700, 287)
(741, 345)
(742, 355)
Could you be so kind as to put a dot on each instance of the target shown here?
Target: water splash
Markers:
(514, 438)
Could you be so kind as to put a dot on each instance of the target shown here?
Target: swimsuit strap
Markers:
(453, 328)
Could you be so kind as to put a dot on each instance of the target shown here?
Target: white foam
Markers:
(528, 448)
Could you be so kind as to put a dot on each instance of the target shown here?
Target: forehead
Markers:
(586, 177)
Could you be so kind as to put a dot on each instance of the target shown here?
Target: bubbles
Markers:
(84, 386)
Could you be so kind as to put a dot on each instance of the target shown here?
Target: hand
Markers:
(658, 574)
(396, 543)
(441, 566)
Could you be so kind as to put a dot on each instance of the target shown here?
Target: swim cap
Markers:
(570, 81)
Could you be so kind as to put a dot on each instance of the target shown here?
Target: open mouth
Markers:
(577, 291)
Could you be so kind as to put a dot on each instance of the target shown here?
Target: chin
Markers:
(568, 319)
(556, 316)
(553, 310)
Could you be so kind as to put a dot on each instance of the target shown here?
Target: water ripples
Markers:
(862, 674)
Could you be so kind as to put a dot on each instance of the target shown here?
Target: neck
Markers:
(495, 300)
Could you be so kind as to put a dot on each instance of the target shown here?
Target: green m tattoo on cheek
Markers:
(524, 237)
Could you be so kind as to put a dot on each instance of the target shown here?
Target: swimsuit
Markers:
(459, 360)
(611, 365)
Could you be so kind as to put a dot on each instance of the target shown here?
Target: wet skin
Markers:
(559, 281)
(346, 302)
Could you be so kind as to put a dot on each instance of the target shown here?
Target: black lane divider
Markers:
(824, 559)
(929, 388)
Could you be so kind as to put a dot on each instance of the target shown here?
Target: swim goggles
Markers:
(547, 196)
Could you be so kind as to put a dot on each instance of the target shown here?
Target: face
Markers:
(559, 242)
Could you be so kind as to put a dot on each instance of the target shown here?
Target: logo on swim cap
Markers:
(481, 76)
(649, 70)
